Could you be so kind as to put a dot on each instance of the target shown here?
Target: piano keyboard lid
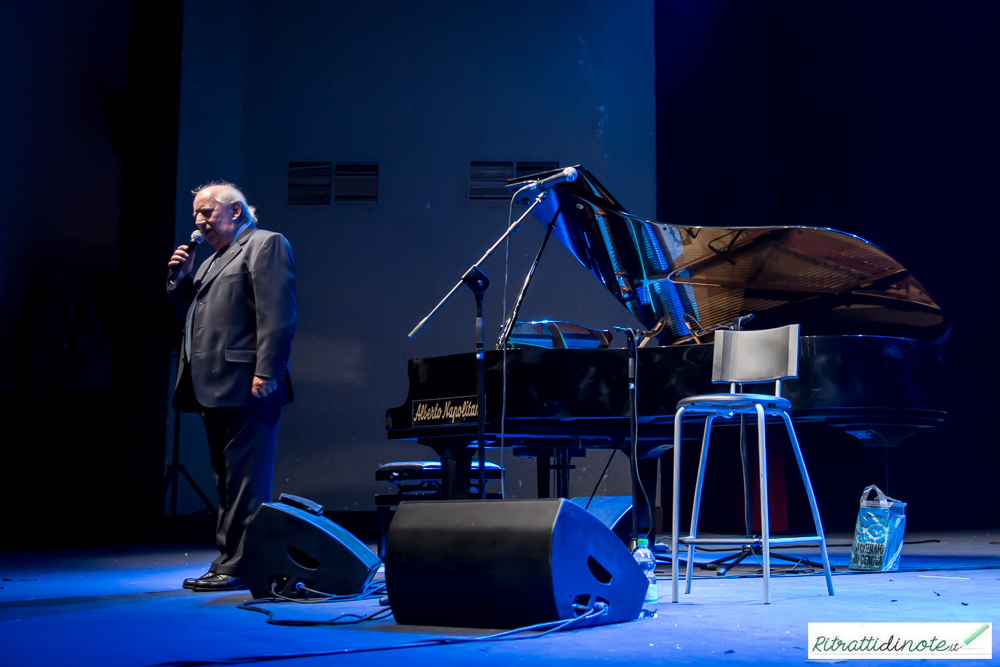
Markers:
(692, 280)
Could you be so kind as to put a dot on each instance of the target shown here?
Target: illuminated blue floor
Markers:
(124, 606)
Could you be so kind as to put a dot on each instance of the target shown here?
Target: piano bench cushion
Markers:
(738, 403)
(413, 471)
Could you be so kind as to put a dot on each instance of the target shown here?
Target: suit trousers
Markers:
(241, 443)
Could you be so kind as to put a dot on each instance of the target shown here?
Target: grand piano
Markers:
(871, 359)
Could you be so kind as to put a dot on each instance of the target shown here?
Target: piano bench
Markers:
(429, 471)
(420, 480)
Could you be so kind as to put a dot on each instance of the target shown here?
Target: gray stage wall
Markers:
(422, 89)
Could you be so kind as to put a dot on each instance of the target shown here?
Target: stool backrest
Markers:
(745, 357)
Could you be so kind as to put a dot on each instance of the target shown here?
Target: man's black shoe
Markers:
(189, 583)
(219, 582)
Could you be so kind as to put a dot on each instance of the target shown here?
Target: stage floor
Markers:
(124, 606)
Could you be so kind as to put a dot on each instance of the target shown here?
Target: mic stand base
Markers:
(170, 482)
(734, 559)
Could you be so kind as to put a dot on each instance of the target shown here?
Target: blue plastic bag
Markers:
(878, 535)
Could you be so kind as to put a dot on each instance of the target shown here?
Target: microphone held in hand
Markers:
(196, 238)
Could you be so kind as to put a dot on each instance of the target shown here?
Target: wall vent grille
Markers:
(527, 167)
(309, 183)
(356, 181)
(488, 178)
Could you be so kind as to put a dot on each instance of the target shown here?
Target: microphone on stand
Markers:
(196, 238)
(567, 175)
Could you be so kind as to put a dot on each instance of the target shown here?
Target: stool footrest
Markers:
(748, 541)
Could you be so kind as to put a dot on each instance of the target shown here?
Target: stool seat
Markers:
(734, 403)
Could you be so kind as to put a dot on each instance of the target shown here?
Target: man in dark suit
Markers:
(239, 323)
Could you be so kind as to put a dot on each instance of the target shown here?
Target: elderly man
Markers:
(233, 371)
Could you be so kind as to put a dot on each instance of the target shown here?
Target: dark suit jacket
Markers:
(244, 321)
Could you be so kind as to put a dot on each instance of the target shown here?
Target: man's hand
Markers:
(263, 386)
(183, 259)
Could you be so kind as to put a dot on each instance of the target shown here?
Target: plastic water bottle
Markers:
(644, 557)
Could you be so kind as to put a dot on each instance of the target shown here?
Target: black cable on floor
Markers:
(851, 544)
(374, 589)
(253, 605)
(597, 610)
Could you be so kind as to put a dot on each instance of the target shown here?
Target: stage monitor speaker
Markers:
(290, 542)
(506, 564)
(615, 512)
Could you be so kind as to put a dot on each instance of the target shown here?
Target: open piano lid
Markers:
(696, 279)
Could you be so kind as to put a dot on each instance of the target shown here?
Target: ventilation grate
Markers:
(528, 167)
(488, 178)
(309, 183)
(356, 181)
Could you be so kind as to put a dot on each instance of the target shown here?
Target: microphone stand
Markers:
(477, 282)
(633, 428)
(508, 326)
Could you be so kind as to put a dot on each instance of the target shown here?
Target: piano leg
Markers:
(644, 513)
(543, 468)
(559, 460)
(447, 473)
(463, 473)
(456, 470)
(562, 467)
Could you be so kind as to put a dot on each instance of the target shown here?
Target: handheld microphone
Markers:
(196, 238)
(567, 175)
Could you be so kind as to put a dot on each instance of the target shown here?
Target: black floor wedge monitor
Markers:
(290, 543)
(507, 564)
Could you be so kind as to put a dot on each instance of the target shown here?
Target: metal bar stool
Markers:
(745, 357)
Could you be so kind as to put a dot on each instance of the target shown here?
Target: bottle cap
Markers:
(642, 542)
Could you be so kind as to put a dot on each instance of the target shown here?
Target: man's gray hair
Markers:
(229, 194)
